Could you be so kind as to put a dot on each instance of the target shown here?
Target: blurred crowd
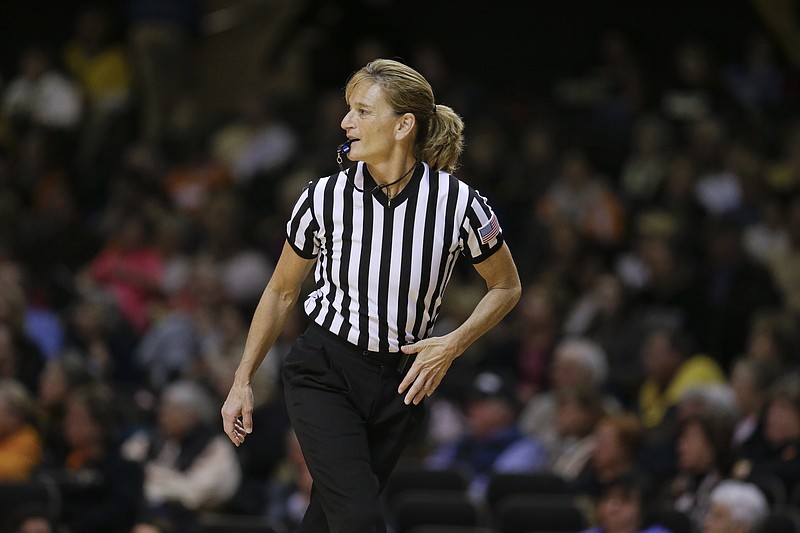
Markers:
(653, 211)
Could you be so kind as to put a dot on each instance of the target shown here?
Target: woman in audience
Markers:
(704, 460)
(617, 443)
(736, 507)
(620, 509)
(100, 490)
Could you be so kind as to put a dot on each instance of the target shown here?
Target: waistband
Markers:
(382, 358)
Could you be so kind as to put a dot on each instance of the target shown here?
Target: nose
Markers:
(347, 121)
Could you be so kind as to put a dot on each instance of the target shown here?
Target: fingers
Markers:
(239, 433)
(421, 388)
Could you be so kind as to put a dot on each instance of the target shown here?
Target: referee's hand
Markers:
(237, 413)
(433, 359)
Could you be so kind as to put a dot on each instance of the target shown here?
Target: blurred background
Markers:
(643, 158)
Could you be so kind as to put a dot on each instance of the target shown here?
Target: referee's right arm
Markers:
(276, 303)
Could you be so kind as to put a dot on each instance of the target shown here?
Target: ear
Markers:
(405, 125)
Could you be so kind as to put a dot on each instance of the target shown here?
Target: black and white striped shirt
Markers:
(382, 265)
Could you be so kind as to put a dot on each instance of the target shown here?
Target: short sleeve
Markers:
(484, 236)
(302, 227)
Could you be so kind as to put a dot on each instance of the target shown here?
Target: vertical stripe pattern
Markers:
(382, 267)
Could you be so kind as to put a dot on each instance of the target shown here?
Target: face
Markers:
(486, 415)
(9, 421)
(572, 419)
(371, 123)
(175, 419)
(566, 371)
(783, 422)
(35, 524)
(80, 428)
(608, 449)
(695, 453)
(658, 357)
(619, 510)
(747, 397)
(719, 520)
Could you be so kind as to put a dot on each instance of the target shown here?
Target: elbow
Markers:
(515, 293)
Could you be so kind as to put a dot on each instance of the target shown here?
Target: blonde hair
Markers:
(440, 131)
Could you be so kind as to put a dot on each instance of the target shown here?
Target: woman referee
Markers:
(382, 238)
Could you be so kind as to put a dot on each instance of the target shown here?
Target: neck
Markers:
(392, 180)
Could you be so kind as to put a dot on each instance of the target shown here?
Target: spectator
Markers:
(620, 508)
(161, 37)
(100, 490)
(580, 195)
(704, 459)
(736, 507)
(781, 432)
(577, 412)
(785, 265)
(618, 441)
(671, 368)
(20, 441)
(772, 338)
(59, 378)
(607, 315)
(189, 467)
(129, 269)
(41, 97)
(751, 380)
(494, 442)
(734, 288)
(644, 169)
(29, 518)
(576, 363)
(102, 68)
(20, 357)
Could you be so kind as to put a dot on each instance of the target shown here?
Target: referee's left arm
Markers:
(436, 354)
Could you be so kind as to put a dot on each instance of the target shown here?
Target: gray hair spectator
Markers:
(736, 507)
(577, 362)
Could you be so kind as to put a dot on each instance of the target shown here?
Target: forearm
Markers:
(268, 321)
(491, 309)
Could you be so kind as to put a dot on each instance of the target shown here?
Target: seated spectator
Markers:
(102, 339)
(617, 444)
(494, 441)
(751, 380)
(129, 269)
(20, 443)
(620, 509)
(576, 363)
(579, 194)
(59, 378)
(772, 337)
(781, 432)
(671, 367)
(29, 518)
(704, 460)
(102, 68)
(578, 410)
(190, 466)
(736, 507)
(20, 357)
(606, 314)
(41, 96)
(101, 491)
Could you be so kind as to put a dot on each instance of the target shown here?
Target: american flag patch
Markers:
(490, 230)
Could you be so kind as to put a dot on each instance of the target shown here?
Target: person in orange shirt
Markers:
(20, 442)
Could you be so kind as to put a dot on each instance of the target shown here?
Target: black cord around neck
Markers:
(383, 186)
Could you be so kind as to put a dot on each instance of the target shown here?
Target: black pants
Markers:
(352, 426)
